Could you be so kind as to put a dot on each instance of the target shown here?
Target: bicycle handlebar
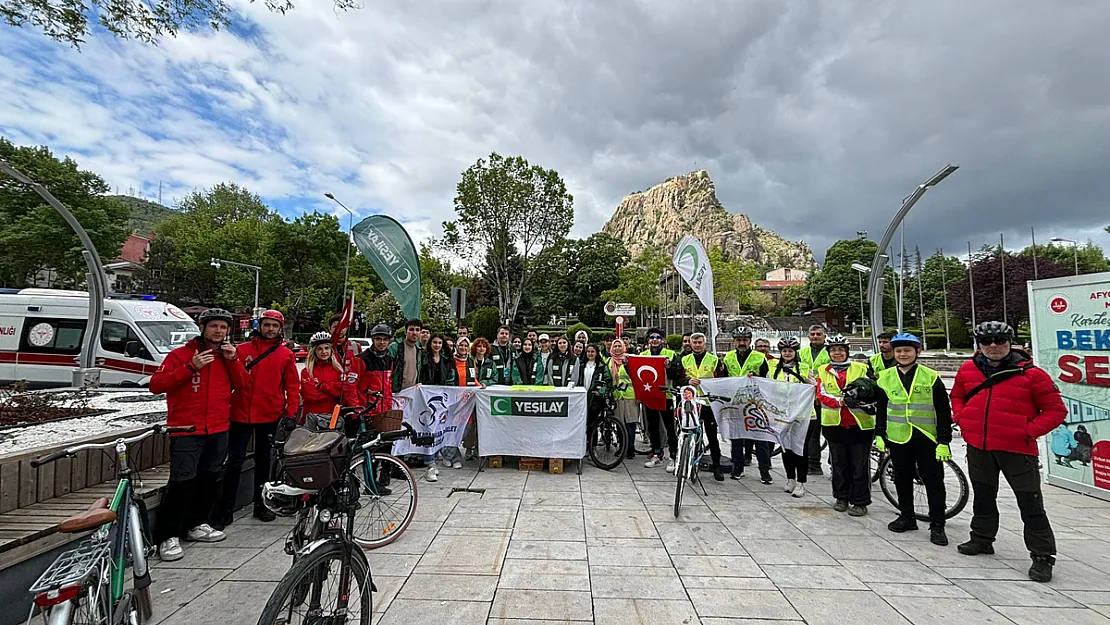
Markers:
(69, 452)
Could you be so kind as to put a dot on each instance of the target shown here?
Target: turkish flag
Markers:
(345, 319)
(649, 374)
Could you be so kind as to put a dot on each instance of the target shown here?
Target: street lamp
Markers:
(219, 262)
(1074, 249)
(350, 231)
(862, 269)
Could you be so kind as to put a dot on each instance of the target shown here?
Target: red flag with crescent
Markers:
(649, 375)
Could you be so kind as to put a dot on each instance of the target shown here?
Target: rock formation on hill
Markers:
(688, 204)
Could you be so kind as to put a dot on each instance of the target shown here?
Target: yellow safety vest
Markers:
(622, 377)
(877, 364)
(806, 356)
(831, 416)
(706, 370)
(915, 409)
(783, 376)
(751, 364)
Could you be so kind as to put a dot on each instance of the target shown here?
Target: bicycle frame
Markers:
(697, 436)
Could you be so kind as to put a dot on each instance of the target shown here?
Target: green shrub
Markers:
(483, 322)
(674, 341)
(574, 329)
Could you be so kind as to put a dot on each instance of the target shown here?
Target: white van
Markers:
(41, 333)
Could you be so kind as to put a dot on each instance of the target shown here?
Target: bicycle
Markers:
(86, 584)
(954, 481)
(322, 490)
(691, 445)
(607, 436)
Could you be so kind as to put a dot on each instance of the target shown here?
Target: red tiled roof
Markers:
(779, 284)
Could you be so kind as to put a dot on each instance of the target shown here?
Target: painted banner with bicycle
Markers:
(439, 411)
(762, 410)
(527, 421)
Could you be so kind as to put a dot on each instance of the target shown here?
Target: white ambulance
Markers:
(42, 330)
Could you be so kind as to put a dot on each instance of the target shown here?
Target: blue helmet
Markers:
(905, 339)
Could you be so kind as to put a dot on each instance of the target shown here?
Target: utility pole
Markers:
(1002, 260)
(921, 298)
(944, 287)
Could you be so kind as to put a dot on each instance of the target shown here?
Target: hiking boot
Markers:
(841, 505)
(937, 536)
(902, 524)
(857, 511)
(264, 514)
(974, 547)
(1041, 571)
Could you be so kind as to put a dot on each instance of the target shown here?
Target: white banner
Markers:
(763, 410)
(692, 263)
(518, 421)
(441, 411)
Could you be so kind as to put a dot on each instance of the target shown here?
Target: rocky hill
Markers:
(144, 213)
(688, 204)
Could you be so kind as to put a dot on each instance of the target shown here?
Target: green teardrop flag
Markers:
(388, 248)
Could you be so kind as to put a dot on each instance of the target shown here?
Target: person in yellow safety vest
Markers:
(788, 368)
(656, 347)
(913, 420)
(626, 408)
(849, 431)
(813, 357)
(884, 359)
(700, 365)
(745, 361)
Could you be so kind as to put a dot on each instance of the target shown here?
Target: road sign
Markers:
(458, 302)
(623, 309)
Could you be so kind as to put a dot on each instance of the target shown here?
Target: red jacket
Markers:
(201, 399)
(377, 377)
(275, 384)
(1013, 413)
(321, 390)
(353, 365)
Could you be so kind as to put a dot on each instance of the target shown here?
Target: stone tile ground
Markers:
(605, 548)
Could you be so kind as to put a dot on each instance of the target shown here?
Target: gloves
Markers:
(880, 444)
(944, 454)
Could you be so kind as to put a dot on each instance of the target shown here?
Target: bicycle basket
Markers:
(387, 421)
(314, 460)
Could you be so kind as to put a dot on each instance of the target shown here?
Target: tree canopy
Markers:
(986, 275)
(1089, 257)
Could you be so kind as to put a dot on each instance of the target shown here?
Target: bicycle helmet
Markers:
(789, 342)
(319, 339)
(273, 314)
(905, 339)
(861, 394)
(836, 340)
(278, 502)
(381, 330)
(994, 329)
(215, 314)
(742, 332)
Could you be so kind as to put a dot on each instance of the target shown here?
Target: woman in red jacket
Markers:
(1003, 404)
(321, 381)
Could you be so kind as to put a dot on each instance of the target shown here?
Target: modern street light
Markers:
(350, 231)
(861, 269)
(1074, 249)
(219, 262)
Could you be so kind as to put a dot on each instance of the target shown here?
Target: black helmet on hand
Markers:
(215, 314)
(381, 330)
(993, 330)
(742, 332)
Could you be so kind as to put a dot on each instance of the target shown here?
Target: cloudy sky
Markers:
(813, 118)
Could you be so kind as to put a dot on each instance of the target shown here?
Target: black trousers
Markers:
(709, 422)
(654, 417)
(762, 454)
(917, 457)
(195, 463)
(796, 466)
(813, 444)
(1021, 472)
(850, 452)
(238, 437)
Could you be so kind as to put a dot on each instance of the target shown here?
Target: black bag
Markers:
(314, 460)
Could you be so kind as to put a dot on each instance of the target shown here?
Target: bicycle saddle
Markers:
(98, 514)
(303, 441)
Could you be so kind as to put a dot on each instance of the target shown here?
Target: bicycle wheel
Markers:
(320, 572)
(680, 471)
(607, 443)
(380, 518)
(955, 490)
(875, 462)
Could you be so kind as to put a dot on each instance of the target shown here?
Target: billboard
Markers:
(1070, 326)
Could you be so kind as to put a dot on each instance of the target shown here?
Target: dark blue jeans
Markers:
(762, 454)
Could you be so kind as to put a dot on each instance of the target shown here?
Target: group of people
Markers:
(233, 394)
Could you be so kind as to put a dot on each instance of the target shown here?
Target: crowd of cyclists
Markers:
(1000, 400)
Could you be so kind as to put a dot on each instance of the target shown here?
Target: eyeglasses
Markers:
(994, 340)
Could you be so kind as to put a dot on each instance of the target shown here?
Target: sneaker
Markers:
(1041, 571)
(456, 465)
(857, 511)
(445, 463)
(264, 514)
(653, 462)
(765, 478)
(205, 533)
(938, 537)
(841, 505)
(670, 465)
(902, 524)
(433, 474)
(790, 484)
(717, 474)
(735, 476)
(170, 550)
(799, 490)
(974, 547)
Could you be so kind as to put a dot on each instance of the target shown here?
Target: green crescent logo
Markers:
(500, 406)
(692, 252)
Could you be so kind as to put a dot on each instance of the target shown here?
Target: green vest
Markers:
(906, 411)
(706, 370)
(831, 416)
(877, 363)
(751, 364)
(806, 356)
(623, 377)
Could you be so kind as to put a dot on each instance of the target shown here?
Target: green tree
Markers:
(439, 272)
(483, 322)
(308, 260)
(734, 280)
(639, 280)
(837, 285)
(34, 236)
(788, 301)
(932, 284)
(435, 310)
(1090, 257)
(595, 269)
(506, 207)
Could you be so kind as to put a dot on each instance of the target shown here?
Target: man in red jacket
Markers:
(274, 393)
(198, 379)
(1003, 404)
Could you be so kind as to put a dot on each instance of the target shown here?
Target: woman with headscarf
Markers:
(561, 368)
(524, 367)
(627, 408)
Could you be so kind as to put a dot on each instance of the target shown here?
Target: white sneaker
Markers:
(205, 533)
(790, 486)
(445, 463)
(170, 550)
(670, 465)
(433, 474)
(653, 462)
(799, 490)
(456, 465)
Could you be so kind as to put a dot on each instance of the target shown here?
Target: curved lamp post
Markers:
(87, 374)
(876, 280)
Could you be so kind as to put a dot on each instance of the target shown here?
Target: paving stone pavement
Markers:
(606, 548)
